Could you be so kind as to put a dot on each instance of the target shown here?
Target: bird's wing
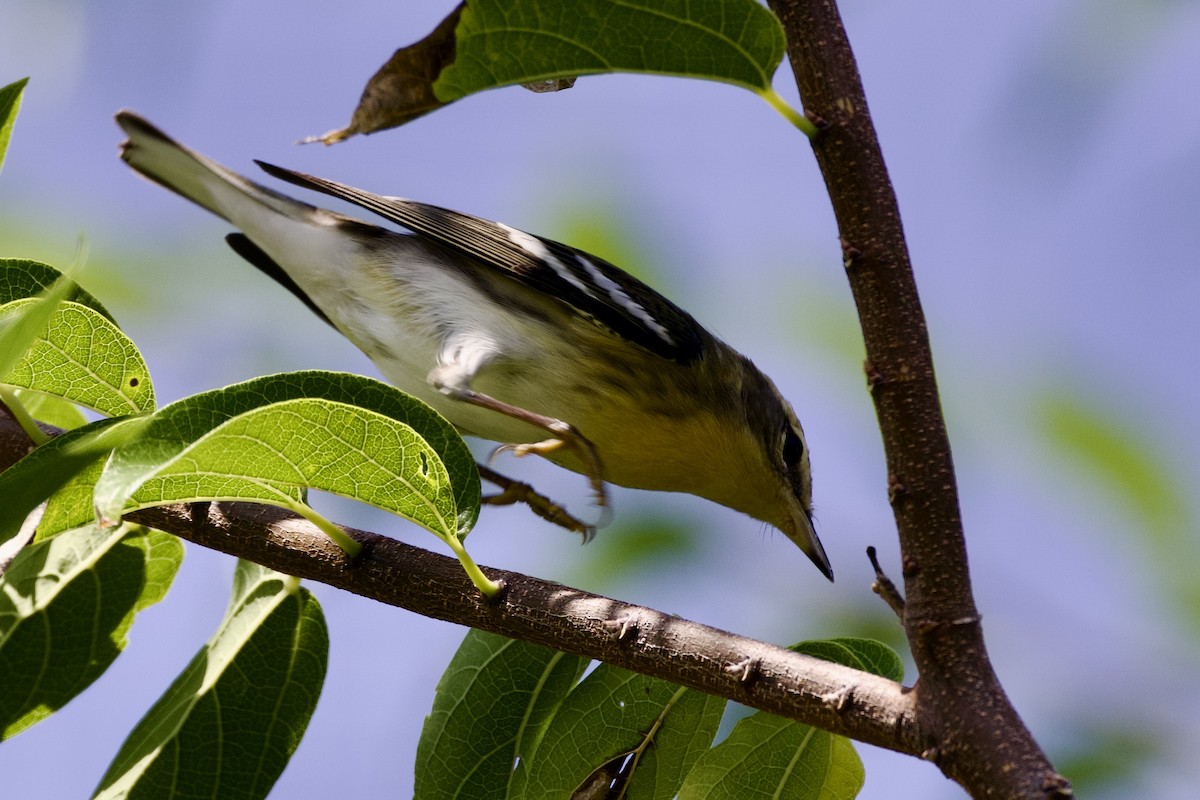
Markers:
(598, 290)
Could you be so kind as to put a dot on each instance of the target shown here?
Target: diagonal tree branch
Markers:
(830, 696)
(971, 729)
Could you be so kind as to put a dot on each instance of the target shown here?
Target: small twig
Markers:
(884, 587)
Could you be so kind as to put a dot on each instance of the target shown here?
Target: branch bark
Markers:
(965, 720)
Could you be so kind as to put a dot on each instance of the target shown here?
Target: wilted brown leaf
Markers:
(402, 89)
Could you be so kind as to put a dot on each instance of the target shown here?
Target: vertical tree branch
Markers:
(970, 728)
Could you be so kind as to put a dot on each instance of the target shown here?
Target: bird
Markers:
(517, 339)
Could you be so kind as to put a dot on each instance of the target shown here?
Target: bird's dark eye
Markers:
(792, 446)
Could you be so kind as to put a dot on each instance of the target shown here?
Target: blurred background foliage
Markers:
(1046, 157)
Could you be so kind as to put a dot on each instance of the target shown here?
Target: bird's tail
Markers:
(225, 193)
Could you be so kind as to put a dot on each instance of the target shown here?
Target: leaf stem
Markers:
(349, 546)
(790, 114)
(8, 396)
(483, 583)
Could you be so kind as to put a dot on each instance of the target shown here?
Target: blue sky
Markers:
(1046, 158)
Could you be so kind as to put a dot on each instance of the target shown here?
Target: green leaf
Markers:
(83, 357)
(491, 706)
(268, 439)
(503, 43)
(618, 727)
(24, 324)
(865, 654)
(65, 609)
(229, 723)
(487, 44)
(21, 278)
(50, 467)
(10, 105)
(71, 506)
(772, 757)
(51, 409)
